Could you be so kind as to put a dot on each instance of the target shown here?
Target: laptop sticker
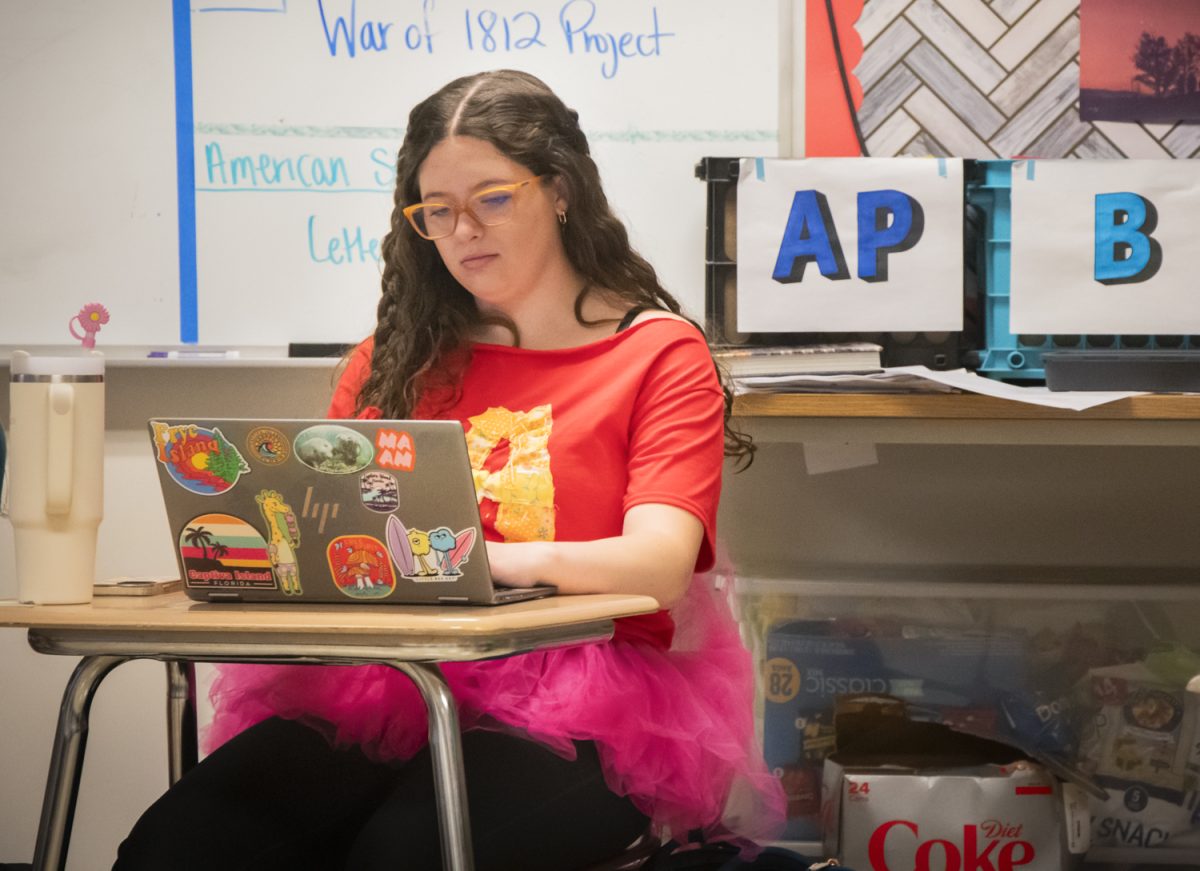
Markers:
(428, 557)
(380, 491)
(198, 459)
(284, 534)
(268, 445)
(396, 450)
(220, 551)
(360, 567)
(333, 449)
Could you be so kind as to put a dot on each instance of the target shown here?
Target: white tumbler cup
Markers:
(56, 469)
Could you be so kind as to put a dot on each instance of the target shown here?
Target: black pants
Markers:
(278, 796)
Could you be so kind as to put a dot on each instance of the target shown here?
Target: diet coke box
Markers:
(981, 818)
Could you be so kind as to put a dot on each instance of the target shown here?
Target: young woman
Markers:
(596, 423)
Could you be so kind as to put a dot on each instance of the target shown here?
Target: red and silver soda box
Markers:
(982, 818)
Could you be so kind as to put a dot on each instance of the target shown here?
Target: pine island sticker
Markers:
(220, 551)
(380, 491)
(268, 445)
(197, 458)
(360, 567)
(333, 449)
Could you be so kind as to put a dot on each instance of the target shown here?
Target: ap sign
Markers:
(1105, 246)
(846, 245)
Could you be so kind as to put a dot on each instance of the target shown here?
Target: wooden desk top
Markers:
(175, 612)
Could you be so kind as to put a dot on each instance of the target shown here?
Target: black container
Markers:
(1156, 371)
(941, 350)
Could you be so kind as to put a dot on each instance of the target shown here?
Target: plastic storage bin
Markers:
(1019, 357)
(1086, 669)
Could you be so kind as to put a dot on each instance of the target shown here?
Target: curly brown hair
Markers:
(425, 315)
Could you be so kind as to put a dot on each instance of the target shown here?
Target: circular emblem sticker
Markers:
(333, 449)
(268, 445)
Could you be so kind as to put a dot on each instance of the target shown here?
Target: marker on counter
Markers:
(196, 354)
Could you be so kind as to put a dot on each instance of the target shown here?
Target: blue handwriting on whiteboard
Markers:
(385, 175)
(372, 35)
(495, 32)
(267, 171)
(577, 30)
(343, 247)
(486, 30)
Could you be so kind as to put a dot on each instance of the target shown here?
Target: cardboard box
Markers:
(985, 818)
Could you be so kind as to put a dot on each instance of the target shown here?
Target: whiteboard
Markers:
(220, 171)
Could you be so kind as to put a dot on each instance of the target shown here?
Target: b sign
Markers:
(845, 245)
(1105, 246)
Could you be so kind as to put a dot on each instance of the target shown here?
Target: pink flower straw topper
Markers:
(91, 318)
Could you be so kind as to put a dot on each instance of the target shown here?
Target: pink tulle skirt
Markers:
(674, 728)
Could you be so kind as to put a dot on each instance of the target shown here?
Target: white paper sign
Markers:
(1105, 247)
(850, 244)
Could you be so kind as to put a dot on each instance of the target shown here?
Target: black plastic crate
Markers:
(937, 350)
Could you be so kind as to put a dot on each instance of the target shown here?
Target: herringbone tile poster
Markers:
(988, 78)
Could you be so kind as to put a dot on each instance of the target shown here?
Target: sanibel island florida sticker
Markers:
(197, 458)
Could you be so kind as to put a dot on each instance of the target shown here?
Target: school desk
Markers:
(171, 628)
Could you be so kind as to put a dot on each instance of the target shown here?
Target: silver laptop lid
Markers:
(322, 511)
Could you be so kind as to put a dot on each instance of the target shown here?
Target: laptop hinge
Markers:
(224, 597)
(453, 599)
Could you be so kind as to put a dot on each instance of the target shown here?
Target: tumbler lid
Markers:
(78, 367)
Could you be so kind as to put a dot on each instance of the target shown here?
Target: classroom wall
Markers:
(921, 504)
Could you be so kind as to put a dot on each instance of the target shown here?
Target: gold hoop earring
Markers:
(562, 218)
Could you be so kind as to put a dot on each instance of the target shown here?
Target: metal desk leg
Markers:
(450, 784)
(66, 762)
(181, 719)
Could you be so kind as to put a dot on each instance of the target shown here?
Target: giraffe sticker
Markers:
(522, 486)
(283, 540)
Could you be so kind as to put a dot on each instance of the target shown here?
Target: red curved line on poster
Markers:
(828, 127)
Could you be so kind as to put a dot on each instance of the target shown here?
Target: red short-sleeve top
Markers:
(564, 442)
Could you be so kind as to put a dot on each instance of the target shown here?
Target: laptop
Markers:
(329, 511)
